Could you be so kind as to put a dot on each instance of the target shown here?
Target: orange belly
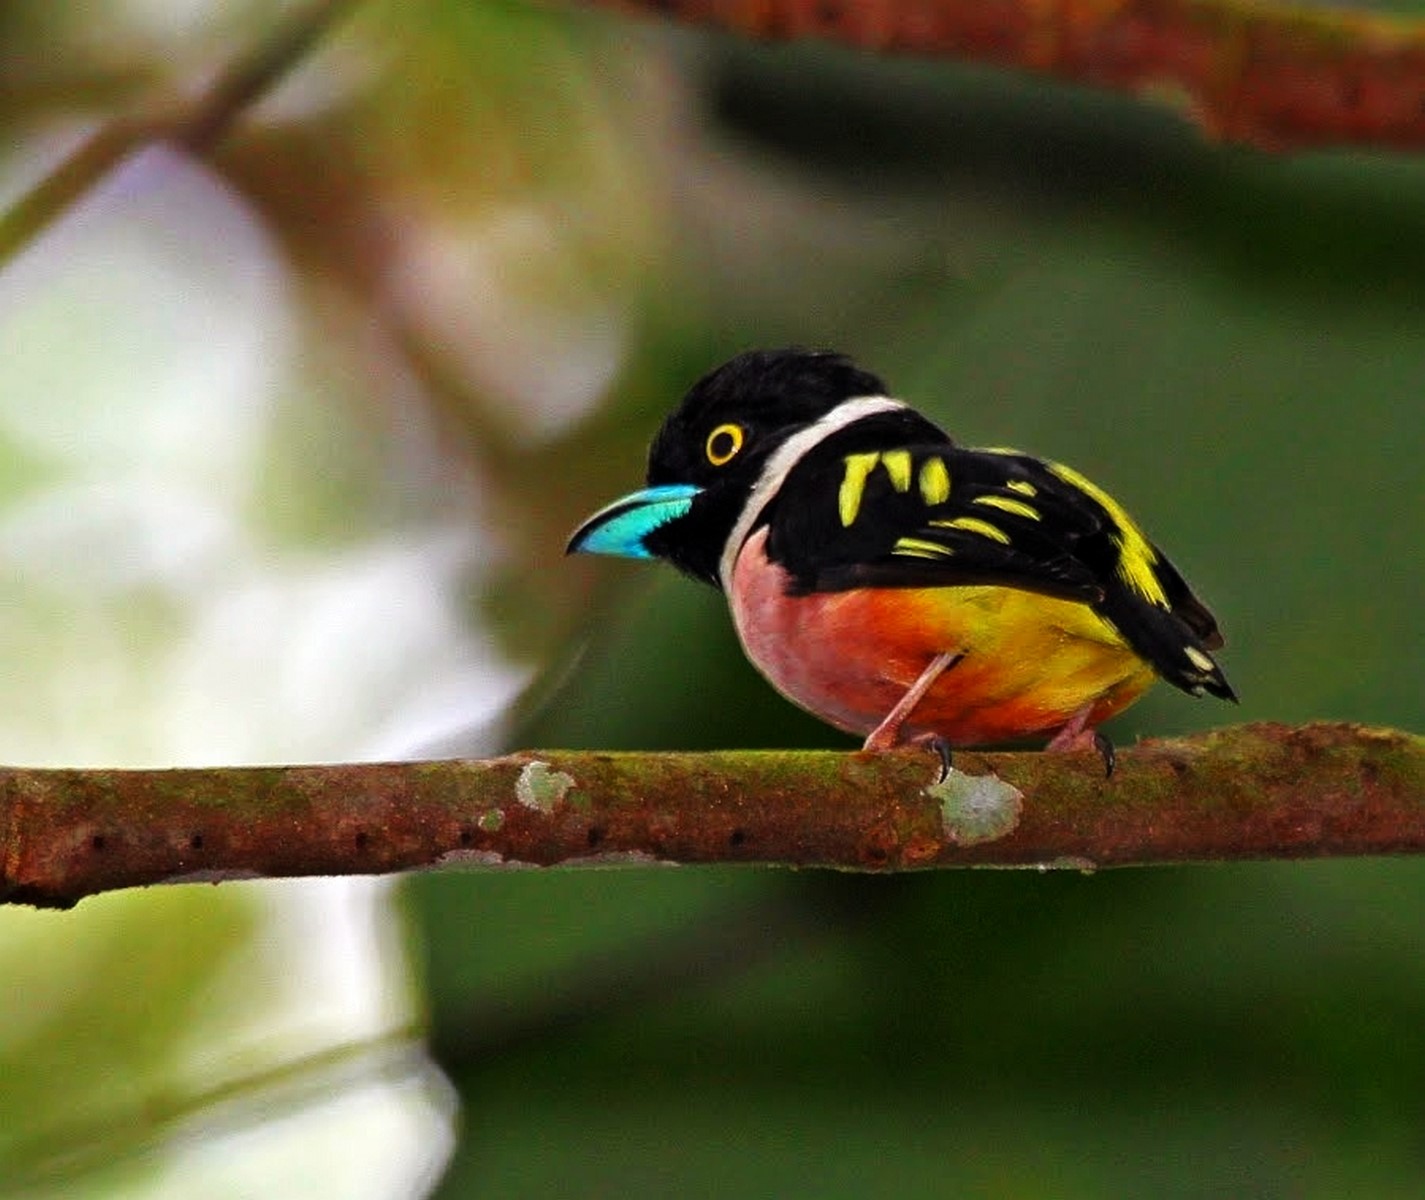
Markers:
(1030, 661)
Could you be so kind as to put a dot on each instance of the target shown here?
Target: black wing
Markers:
(933, 514)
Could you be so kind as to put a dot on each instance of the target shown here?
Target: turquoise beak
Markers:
(622, 527)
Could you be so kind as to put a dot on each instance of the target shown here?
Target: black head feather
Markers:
(771, 393)
(768, 395)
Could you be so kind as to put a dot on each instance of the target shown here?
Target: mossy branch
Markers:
(1253, 791)
(1278, 76)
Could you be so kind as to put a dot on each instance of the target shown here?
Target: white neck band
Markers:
(786, 456)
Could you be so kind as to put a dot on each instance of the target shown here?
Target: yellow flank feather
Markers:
(1023, 487)
(910, 547)
(897, 464)
(1135, 554)
(1025, 625)
(1010, 505)
(853, 484)
(934, 481)
(1030, 651)
(975, 525)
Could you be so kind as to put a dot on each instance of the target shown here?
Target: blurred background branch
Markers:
(197, 125)
(1277, 76)
(1253, 791)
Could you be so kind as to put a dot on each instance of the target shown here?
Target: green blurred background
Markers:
(290, 441)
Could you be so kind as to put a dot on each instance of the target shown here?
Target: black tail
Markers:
(1174, 644)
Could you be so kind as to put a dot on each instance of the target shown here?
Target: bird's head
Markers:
(721, 455)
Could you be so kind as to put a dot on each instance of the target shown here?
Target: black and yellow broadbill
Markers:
(896, 584)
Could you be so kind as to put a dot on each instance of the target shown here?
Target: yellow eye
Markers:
(723, 444)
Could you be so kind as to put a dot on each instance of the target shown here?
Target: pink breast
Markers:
(838, 654)
(848, 657)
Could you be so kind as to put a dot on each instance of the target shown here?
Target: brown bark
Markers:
(1253, 791)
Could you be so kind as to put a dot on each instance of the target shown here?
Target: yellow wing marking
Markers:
(853, 485)
(858, 471)
(897, 464)
(910, 547)
(1023, 487)
(1135, 554)
(975, 525)
(934, 481)
(1010, 505)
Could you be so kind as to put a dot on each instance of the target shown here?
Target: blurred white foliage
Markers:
(144, 332)
(336, 1149)
(507, 295)
(149, 620)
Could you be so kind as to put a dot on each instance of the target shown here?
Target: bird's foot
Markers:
(925, 741)
(934, 741)
(1076, 735)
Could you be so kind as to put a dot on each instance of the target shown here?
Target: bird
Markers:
(902, 587)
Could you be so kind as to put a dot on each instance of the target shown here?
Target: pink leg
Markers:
(1077, 736)
(887, 735)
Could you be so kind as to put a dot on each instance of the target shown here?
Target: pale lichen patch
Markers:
(540, 787)
(216, 875)
(483, 858)
(1068, 862)
(491, 821)
(619, 858)
(976, 808)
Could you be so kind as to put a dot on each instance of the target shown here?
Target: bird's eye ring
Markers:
(723, 444)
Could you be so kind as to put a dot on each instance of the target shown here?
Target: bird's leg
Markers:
(1077, 736)
(887, 735)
